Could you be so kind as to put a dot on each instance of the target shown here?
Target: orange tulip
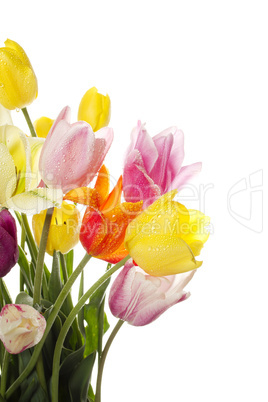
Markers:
(106, 218)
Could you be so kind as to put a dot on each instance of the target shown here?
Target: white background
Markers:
(200, 65)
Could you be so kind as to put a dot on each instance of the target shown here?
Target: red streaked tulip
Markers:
(139, 298)
(9, 252)
(21, 327)
(72, 154)
(153, 165)
(106, 218)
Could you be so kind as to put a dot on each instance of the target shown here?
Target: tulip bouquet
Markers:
(54, 176)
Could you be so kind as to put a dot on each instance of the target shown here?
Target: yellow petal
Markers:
(163, 255)
(18, 84)
(95, 109)
(42, 126)
(196, 233)
(145, 218)
(64, 228)
(19, 148)
(36, 145)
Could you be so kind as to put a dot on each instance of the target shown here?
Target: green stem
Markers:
(54, 312)
(103, 358)
(68, 323)
(29, 237)
(4, 373)
(29, 122)
(41, 373)
(40, 258)
(22, 244)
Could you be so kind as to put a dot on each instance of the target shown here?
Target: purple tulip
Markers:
(9, 252)
(153, 165)
(72, 154)
(139, 298)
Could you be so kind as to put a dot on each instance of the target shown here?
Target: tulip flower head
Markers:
(64, 228)
(19, 176)
(21, 327)
(18, 83)
(153, 166)
(106, 218)
(42, 126)
(95, 109)
(9, 252)
(72, 154)
(166, 237)
(139, 298)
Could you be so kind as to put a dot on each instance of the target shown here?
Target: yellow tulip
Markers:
(18, 83)
(42, 126)
(95, 109)
(64, 228)
(166, 237)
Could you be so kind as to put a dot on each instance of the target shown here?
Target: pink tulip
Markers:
(153, 166)
(139, 298)
(72, 154)
(21, 327)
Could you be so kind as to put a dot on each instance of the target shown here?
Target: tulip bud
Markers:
(64, 228)
(9, 252)
(21, 327)
(18, 83)
(139, 298)
(42, 126)
(95, 109)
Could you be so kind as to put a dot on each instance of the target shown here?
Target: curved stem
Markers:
(29, 122)
(29, 237)
(103, 358)
(40, 258)
(4, 372)
(54, 312)
(68, 323)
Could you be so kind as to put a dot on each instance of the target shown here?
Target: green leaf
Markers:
(69, 258)
(25, 269)
(90, 394)
(24, 298)
(91, 316)
(80, 379)
(72, 360)
(54, 284)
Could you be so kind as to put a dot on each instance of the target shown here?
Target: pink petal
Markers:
(137, 184)
(159, 173)
(65, 159)
(143, 142)
(184, 175)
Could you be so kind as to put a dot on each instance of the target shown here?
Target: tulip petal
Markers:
(137, 184)
(148, 215)
(196, 233)
(113, 199)
(34, 201)
(85, 196)
(140, 299)
(7, 174)
(21, 327)
(142, 142)
(185, 174)
(102, 184)
(5, 116)
(160, 174)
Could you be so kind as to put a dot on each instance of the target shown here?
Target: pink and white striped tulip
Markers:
(72, 154)
(139, 298)
(21, 327)
(153, 165)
